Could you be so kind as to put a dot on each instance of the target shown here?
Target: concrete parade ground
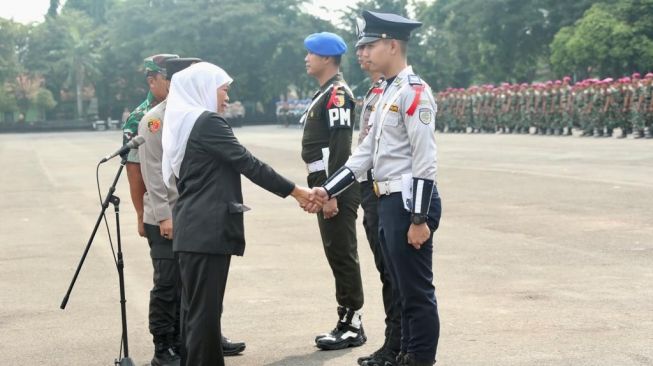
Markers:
(544, 256)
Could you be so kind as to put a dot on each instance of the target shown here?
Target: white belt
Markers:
(316, 166)
(387, 187)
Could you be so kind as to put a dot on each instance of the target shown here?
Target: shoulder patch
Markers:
(425, 115)
(340, 117)
(414, 80)
(154, 125)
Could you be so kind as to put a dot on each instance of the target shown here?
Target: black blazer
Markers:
(208, 216)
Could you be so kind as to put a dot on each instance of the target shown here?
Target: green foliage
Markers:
(607, 40)
(7, 100)
(98, 45)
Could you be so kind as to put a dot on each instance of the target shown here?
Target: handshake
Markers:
(311, 200)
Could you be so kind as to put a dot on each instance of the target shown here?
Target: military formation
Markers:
(599, 108)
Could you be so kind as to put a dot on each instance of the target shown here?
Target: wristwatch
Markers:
(417, 219)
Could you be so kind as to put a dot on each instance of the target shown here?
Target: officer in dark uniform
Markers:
(326, 145)
(402, 150)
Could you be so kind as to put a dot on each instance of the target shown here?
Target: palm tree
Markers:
(80, 54)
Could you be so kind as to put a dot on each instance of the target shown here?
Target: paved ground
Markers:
(544, 256)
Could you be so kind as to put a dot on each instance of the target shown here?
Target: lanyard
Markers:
(318, 97)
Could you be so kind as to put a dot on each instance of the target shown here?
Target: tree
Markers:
(78, 54)
(609, 40)
(53, 9)
(13, 42)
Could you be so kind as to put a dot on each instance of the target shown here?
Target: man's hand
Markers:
(318, 198)
(330, 209)
(304, 197)
(165, 228)
(141, 227)
(418, 235)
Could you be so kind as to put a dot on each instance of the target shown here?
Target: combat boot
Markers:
(348, 333)
(341, 313)
(164, 352)
(385, 357)
(360, 360)
(409, 360)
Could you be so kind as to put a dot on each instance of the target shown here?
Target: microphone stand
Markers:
(115, 201)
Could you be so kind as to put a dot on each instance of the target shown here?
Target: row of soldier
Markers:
(599, 108)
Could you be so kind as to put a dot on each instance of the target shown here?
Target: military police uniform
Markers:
(402, 150)
(326, 145)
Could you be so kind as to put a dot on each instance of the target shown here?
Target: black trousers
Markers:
(412, 272)
(204, 279)
(391, 305)
(339, 240)
(165, 295)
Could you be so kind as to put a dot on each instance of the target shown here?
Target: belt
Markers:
(387, 187)
(316, 166)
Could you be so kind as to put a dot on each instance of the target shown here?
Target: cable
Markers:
(113, 251)
(106, 224)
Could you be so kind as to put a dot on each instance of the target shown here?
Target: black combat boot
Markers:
(383, 357)
(409, 360)
(360, 360)
(165, 353)
(348, 333)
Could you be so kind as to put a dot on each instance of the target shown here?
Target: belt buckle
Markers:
(376, 189)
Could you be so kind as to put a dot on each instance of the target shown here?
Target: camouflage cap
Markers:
(157, 63)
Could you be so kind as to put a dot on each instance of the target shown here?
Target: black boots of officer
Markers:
(384, 356)
(347, 333)
(408, 359)
(165, 352)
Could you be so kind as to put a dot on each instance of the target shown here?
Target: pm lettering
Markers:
(339, 117)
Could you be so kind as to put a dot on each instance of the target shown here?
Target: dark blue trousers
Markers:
(412, 275)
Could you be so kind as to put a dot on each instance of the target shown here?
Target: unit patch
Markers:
(154, 125)
(425, 116)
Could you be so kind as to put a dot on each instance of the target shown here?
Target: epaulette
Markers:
(414, 80)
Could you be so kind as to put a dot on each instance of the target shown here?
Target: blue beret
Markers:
(325, 44)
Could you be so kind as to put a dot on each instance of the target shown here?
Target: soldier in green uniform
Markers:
(585, 105)
(597, 112)
(525, 102)
(468, 115)
(567, 106)
(326, 146)
(647, 105)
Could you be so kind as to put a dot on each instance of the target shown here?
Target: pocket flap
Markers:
(235, 207)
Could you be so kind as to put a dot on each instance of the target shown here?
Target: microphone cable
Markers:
(113, 251)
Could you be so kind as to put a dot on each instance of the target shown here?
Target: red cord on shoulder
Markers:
(332, 99)
(418, 94)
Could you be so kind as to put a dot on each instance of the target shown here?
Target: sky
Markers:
(25, 11)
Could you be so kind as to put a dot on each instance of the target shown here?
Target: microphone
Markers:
(132, 144)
